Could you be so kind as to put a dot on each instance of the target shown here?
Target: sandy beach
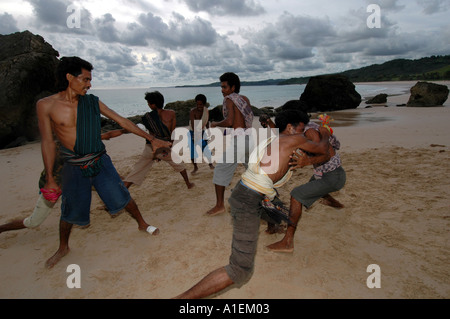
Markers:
(396, 215)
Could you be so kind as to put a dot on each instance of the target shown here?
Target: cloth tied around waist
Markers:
(256, 179)
(90, 164)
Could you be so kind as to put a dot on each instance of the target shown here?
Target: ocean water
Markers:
(129, 102)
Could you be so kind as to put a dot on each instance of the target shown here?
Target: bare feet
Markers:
(215, 211)
(190, 185)
(194, 171)
(328, 200)
(283, 246)
(211, 166)
(275, 229)
(151, 230)
(52, 261)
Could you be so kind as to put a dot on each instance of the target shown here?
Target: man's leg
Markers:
(220, 204)
(40, 213)
(223, 174)
(186, 179)
(134, 211)
(211, 284)
(287, 243)
(331, 201)
(14, 225)
(64, 233)
(140, 168)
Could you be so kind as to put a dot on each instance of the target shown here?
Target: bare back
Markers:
(275, 161)
(168, 117)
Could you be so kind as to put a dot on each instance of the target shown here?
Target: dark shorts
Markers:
(77, 192)
(315, 189)
(246, 213)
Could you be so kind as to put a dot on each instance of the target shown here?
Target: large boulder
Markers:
(428, 94)
(27, 73)
(330, 93)
(378, 99)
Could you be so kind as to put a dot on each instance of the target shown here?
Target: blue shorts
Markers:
(77, 192)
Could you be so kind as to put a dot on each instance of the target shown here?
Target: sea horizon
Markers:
(130, 101)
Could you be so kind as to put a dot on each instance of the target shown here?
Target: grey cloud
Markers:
(134, 35)
(391, 47)
(181, 66)
(434, 6)
(150, 29)
(105, 28)
(182, 33)
(387, 5)
(305, 30)
(7, 24)
(229, 7)
(302, 66)
(142, 4)
(330, 57)
(118, 57)
(52, 16)
(291, 37)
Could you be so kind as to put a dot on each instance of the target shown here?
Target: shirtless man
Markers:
(238, 115)
(43, 206)
(162, 123)
(258, 181)
(74, 117)
(329, 176)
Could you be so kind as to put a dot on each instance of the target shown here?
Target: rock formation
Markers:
(27, 66)
(330, 93)
(427, 94)
(378, 99)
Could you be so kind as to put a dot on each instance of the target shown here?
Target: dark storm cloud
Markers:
(229, 7)
(8, 24)
(151, 30)
(290, 38)
(52, 16)
(177, 46)
(178, 33)
(105, 28)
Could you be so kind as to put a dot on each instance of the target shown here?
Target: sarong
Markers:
(154, 125)
(88, 147)
(242, 106)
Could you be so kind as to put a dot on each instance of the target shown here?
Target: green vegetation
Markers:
(431, 68)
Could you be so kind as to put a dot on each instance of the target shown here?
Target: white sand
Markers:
(396, 216)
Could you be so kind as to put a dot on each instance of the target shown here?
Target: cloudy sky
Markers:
(143, 43)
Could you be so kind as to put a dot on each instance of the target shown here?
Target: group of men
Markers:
(78, 162)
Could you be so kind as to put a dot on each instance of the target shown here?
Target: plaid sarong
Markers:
(242, 106)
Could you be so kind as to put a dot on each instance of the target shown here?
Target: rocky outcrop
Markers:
(425, 94)
(27, 66)
(330, 93)
(182, 110)
(378, 99)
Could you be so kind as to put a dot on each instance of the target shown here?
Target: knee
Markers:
(238, 274)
